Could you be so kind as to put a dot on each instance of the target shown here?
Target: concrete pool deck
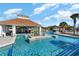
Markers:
(4, 41)
(67, 35)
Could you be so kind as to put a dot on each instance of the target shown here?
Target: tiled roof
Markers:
(19, 21)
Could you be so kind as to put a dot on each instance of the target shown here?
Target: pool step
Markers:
(63, 52)
(69, 52)
(74, 53)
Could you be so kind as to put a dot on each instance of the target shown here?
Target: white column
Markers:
(0, 30)
(13, 30)
(4, 31)
(40, 30)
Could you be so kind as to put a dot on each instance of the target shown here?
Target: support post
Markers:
(40, 30)
(0, 31)
(14, 30)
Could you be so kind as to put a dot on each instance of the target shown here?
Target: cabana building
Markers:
(21, 24)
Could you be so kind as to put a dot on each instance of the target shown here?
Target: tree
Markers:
(63, 24)
(52, 27)
(74, 17)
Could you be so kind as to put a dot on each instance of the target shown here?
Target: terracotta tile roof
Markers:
(19, 21)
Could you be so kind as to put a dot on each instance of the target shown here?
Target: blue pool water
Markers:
(59, 46)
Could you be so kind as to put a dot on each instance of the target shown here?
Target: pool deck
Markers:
(4, 41)
(68, 35)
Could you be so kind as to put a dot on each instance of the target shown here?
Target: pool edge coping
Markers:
(9, 43)
(67, 35)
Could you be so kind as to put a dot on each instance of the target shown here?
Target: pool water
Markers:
(59, 46)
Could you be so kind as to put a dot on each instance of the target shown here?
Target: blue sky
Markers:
(45, 14)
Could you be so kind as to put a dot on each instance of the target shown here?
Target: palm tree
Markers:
(74, 17)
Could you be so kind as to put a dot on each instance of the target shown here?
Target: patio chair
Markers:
(9, 33)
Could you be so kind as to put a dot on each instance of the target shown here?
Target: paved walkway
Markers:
(77, 33)
(7, 41)
(68, 34)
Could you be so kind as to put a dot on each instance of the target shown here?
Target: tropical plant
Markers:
(63, 24)
(74, 17)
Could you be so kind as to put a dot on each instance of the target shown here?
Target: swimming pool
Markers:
(59, 46)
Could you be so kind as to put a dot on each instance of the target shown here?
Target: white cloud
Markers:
(56, 6)
(64, 14)
(61, 14)
(48, 5)
(34, 4)
(74, 7)
(13, 11)
(39, 10)
(43, 8)
(48, 18)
